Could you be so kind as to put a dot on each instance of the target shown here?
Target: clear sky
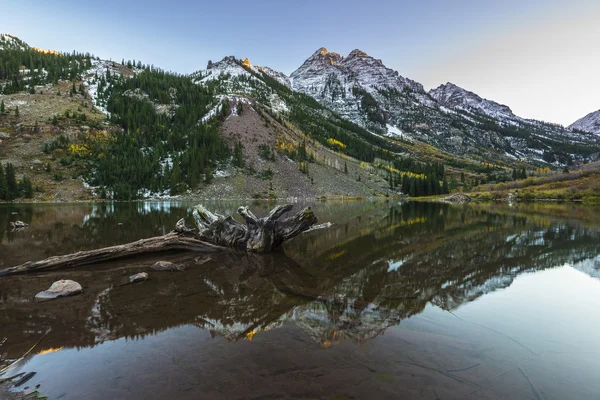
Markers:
(540, 57)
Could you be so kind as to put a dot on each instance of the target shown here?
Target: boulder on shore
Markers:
(457, 198)
(167, 266)
(141, 277)
(62, 288)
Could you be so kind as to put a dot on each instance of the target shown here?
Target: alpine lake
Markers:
(393, 301)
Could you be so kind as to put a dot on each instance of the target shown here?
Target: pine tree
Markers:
(445, 189)
(3, 185)
(12, 188)
(429, 191)
(26, 188)
(16, 111)
(208, 174)
(453, 183)
(345, 168)
(175, 178)
(2, 107)
(238, 155)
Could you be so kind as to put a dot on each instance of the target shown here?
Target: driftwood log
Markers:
(214, 233)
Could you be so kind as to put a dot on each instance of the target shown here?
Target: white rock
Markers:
(62, 288)
(141, 277)
(167, 266)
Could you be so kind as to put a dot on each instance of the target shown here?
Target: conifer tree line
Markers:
(10, 188)
(422, 179)
(416, 185)
(42, 68)
(159, 151)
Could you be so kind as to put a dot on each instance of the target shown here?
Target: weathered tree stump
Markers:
(258, 235)
(215, 233)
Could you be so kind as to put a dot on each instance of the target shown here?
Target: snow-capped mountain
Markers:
(363, 90)
(454, 97)
(589, 123)
(232, 76)
(358, 87)
(231, 69)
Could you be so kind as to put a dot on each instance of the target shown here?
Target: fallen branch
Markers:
(26, 353)
(215, 233)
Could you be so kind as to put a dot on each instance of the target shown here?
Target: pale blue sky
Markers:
(540, 57)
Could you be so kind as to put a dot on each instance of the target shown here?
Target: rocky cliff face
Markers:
(454, 97)
(589, 123)
(358, 87)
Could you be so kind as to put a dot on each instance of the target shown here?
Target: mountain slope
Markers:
(589, 123)
(305, 130)
(363, 90)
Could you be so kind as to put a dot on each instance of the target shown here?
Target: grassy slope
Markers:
(22, 145)
(580, 185)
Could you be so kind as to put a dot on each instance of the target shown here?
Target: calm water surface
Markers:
(411, 301)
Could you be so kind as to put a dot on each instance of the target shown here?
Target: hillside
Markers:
(81, 128)
(74, 127)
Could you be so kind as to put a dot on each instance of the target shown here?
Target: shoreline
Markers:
(190, 199)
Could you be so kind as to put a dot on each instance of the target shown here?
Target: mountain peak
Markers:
(454, 96)
(357, 53)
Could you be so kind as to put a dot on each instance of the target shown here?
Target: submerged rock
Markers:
(62, 288)
(141, 277)
(167, 266)
(457, 198)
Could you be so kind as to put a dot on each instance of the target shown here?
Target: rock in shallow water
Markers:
(167, 266)
(18, 225)
(62, 288)
(141, 277)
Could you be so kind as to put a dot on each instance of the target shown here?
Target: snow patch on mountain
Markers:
(227, 67)
(392, 131)
(95, 82)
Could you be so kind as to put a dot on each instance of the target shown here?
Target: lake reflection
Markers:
(406, 300)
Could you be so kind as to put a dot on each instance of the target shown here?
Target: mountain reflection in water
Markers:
(378, 265)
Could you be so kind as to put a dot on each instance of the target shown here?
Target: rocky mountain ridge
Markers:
(363, 90)
(589, 123)
(454, 97)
